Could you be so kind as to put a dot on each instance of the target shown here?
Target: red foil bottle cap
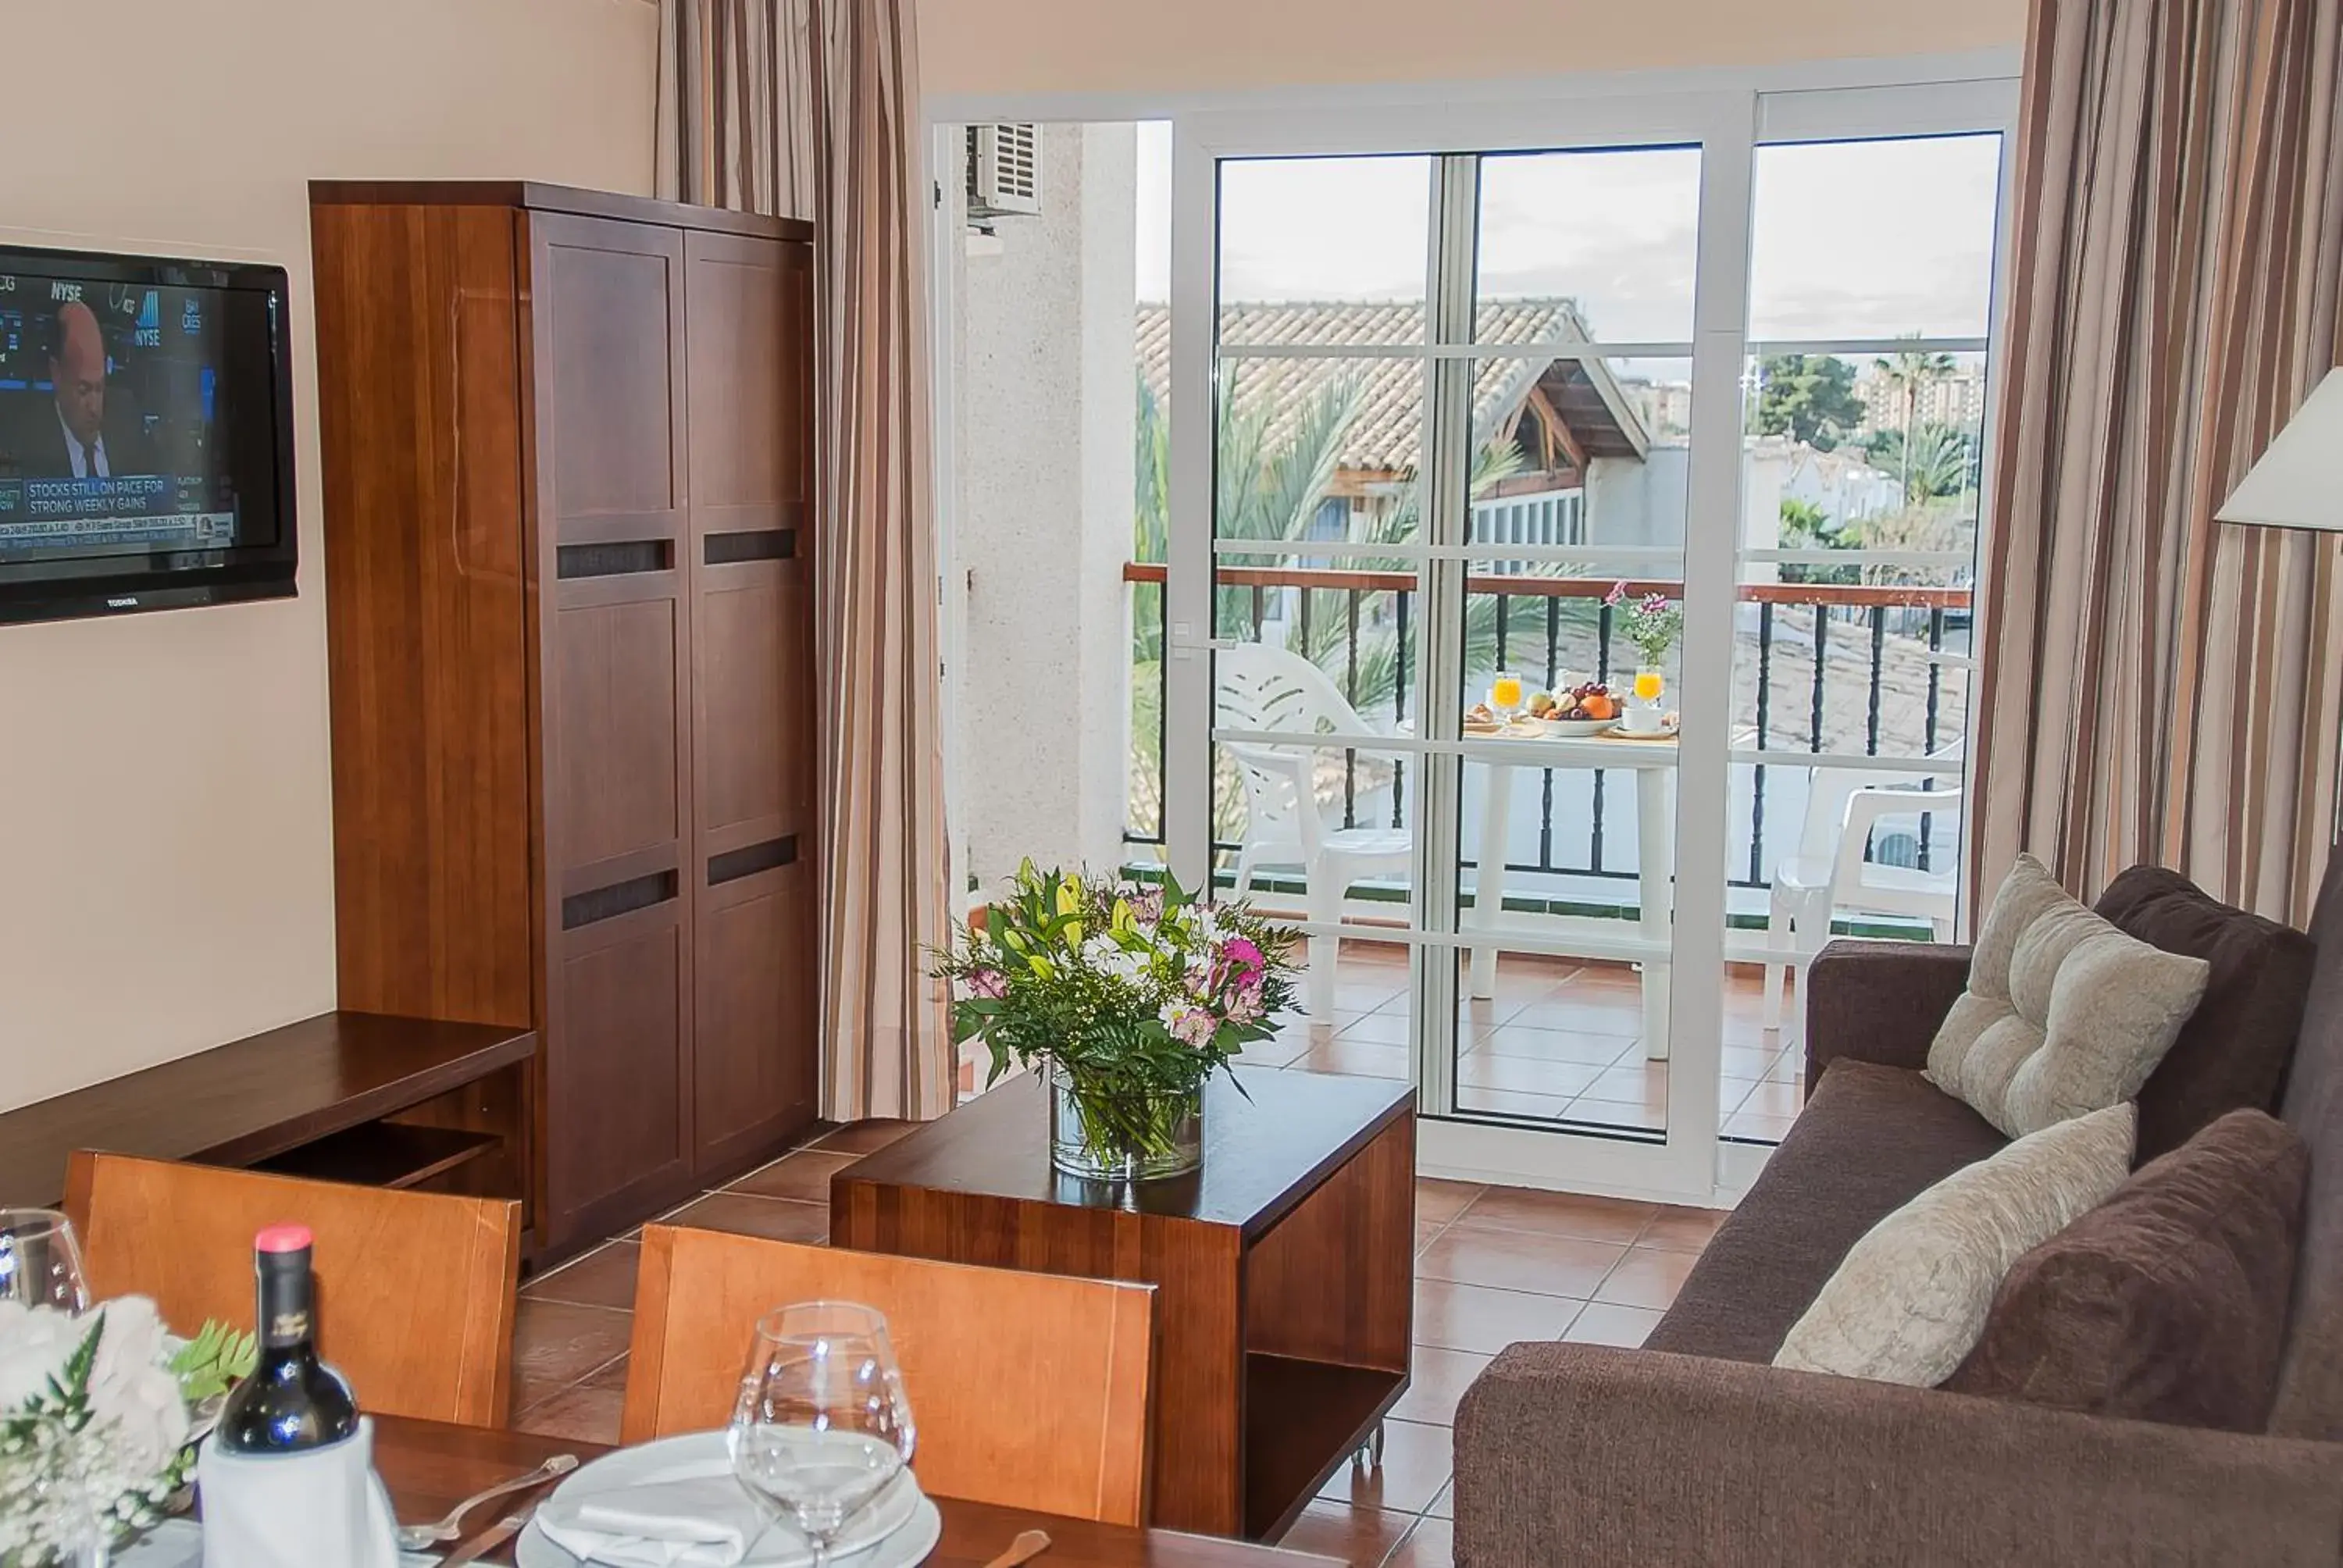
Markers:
(283, 1238)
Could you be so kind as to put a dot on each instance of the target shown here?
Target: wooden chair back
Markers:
(415, 1289)
(1030, 1391)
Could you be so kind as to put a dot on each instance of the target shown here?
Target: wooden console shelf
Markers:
(345, 1096)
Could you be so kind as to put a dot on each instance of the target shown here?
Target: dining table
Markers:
(429, 1467)
(1653, 761)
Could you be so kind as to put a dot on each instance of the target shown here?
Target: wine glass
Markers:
(40, 1261)
(822, 1424)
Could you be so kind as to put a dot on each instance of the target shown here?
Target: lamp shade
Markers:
(2299, 482)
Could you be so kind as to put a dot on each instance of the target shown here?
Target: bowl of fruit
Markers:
(1587, 708)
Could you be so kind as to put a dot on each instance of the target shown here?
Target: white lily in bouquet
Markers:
(95, 1424)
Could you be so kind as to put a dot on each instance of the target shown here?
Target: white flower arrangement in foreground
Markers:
(93, 1423)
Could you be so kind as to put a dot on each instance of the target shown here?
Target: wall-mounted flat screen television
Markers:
(146, 433)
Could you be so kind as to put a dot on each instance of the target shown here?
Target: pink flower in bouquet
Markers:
(1147, 905)
(1190, 1025)
(1245, 955)
(1618, 594)
(990, 984)
(1244, 999)
(1655, 604)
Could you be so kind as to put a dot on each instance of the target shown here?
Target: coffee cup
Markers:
(1643, 719)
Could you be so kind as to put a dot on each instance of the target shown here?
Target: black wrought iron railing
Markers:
(1546, 627)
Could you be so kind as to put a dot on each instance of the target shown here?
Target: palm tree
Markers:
(1270, 486)
(1912, 371)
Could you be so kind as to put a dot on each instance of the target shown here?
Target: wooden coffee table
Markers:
(1283, 1270)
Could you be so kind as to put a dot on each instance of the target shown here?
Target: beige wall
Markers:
(1207, 45)
(165, 850)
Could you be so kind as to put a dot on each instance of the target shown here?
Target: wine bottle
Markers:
(292, 1401)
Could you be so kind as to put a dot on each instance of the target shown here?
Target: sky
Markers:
(1848, 239)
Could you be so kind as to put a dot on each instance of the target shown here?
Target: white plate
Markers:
(1575, 727)
(898, 1529)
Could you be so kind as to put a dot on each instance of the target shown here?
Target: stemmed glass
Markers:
(822, 1424)
(40, 1261)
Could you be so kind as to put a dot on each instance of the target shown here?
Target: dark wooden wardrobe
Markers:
(567, 443)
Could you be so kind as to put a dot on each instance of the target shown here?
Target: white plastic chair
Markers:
(1268, 689)
(1828, 874)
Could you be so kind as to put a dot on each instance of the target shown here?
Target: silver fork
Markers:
(417, 1537)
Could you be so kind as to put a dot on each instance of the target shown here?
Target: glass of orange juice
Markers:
(1649, 683)
(1505, 694)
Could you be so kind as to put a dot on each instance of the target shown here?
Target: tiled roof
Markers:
(1386, 434)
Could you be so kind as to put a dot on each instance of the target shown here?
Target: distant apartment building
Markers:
(1957, 399)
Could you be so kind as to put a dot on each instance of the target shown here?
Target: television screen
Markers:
(142, 431)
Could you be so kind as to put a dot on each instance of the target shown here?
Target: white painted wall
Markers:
(1047, 399)
(166, 844)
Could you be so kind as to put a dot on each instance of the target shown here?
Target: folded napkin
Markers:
(690, 1520)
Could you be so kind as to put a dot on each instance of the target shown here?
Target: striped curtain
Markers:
(810, 108)
(2157, 686)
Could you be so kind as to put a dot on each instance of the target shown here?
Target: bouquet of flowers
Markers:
(1134, 995)
(95, 1430)
(1653, 622)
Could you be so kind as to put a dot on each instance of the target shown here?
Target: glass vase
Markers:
(1105, 1133)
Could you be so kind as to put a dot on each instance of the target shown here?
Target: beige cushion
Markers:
(2064, 1013)
(1910, 1299)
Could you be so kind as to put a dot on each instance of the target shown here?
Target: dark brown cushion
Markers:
(2167, 1301)
(2232, 1053)
(1870, 1138)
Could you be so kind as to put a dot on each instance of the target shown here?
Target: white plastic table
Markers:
(1653, 763)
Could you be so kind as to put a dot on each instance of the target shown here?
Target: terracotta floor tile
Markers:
(780, 1219)
(1535, 1044)
(1438, 1379)
(585, 1412)
(1426, 1233)
(1441, 1201)
(1558, 1214)
(1416, 1464)
(1583, 1015)
(1632, 1083)
(1743, 1062)
(1362, 1537)
(604, 1277)
(1378, 1028)
(1355, 1059)
(804, 1176)
(1604, 1323)
(1682, 1230)
(1511, 1102)
(863, 1137)
(1431, 1545)
(1761, 1129)
(1526, 1075)
(1646, 1277)
(1281, 1050)
(1484, 1319)
(1782, 1100)
(1445, 1505)
(1633, 1114)
(1512, 1260)
(557, 1344)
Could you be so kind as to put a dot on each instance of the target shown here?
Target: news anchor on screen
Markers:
(80, 442)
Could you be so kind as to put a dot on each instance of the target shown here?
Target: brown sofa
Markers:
(1695, 1449)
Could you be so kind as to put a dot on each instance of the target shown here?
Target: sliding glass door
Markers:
(1456, 556)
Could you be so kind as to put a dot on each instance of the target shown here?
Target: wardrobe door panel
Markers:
(748, 316)
(614, 1090)
(615, 667)
(756, 981)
